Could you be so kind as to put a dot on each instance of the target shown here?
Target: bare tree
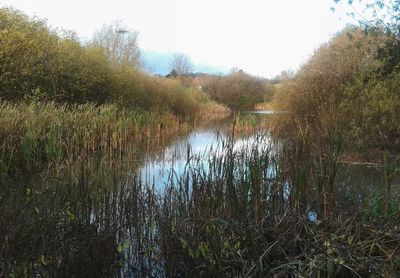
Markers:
(119, 43)
(181, 63)
(379, 15)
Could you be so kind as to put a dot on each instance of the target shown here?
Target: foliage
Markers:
(233, 213)
(26, 51)
(36, 135)
(377, 15)
(344, 92)
(339, 99)
(36, 61)
(237, 90)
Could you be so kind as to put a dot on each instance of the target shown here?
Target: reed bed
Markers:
(36, 135)
(247, 123)
(211, 111)
(249, 214)
(239, 211)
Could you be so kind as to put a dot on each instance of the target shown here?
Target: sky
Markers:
(261, 37)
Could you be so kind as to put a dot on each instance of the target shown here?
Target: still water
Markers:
(354, 184)
(168, 165)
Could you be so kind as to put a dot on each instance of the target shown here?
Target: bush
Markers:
(237, 90)
(329, 94)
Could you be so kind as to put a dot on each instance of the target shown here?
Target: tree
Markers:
(37, 63)
(119, 43)
(379, 15)
(181, 63)
(26, 51)
(172, 74)
(236, 90)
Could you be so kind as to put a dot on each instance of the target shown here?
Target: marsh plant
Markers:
(36, 135)
(237, 210)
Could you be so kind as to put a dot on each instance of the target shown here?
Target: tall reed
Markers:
(34, 135)
(240, 210)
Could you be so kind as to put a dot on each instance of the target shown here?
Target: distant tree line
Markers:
(236, 90)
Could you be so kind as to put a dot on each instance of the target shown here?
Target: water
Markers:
(261, 112)
(170, 164)
(355, 183)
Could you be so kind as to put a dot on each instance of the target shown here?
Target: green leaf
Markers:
(71, 216)
(183, 242)
(43, 260)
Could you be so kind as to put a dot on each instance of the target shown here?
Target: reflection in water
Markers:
(262, 112)
(169, 165)
(312, 216)
(356, 184)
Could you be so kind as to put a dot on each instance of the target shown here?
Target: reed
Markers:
(237, 210)
(36, 135)
(249, 212)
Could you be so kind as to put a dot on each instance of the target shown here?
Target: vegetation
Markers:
(40, 64)
(237, 90)
(242, 212)
(343, 100)
(344, 94)
(119, 43)
(181, 64)
(35, 136)
(252, 213)
(380, 16)
(76, 121)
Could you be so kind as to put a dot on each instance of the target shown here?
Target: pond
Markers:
(118, 218)
(355, 182)
(173, 158)
(357, 185)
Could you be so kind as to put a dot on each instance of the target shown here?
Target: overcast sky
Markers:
(262, 37)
